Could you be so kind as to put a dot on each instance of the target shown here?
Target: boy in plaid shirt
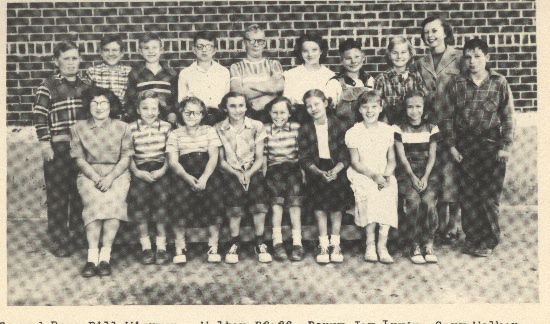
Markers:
(111, 74)
(57, 107)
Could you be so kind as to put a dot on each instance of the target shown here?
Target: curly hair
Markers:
(94, 92)
(310, 37)
(447, 29)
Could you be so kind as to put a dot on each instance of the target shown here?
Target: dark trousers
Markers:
(481, 183)
(63, 201)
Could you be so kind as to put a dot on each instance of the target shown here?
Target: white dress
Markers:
(372, 205)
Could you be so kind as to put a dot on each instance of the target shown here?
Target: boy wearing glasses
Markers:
(58, 106)
(258, 78)
(205, 79)
(111, 74)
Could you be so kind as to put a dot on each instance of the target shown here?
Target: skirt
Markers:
(99, 205)
(149, 201)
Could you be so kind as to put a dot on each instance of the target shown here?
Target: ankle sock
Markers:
(297, 237)
(145, 243)
(161, 243)
(277, 235)
(93, 256)
(105, 254)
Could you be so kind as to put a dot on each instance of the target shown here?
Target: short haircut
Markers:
(447, 29)
(112, 38)
(64, 46)
(348, 44)
(411, 94)
(472, 44)
(310, 37)
(277, 100)
(206, 35)
(365, 97)
(94, 92)
(254, 28)
(396, 41)
(149, 37)
(150, 94)
(190, 100)
(233, 94)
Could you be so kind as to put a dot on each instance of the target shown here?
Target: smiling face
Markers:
(434, 35)
(415, 109)
(353, 60)
(311, 53)
(100, 108)
(400, 55)
(475, 60)
(68, 62)
(236, 108)
(279, 114)
(151, 51)
(317, 108)
(112, 53)
(371, 110)
(192, 114)
(149, 110)
(204, 50)
(255, 51)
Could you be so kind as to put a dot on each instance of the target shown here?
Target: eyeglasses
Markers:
(254, 41)
(102, 104)
(207, 47)
(192, 113)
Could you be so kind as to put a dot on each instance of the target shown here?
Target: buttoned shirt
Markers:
(105, 144)
(58, 106)
(394, 86)
(485, 110)
(240, 142)
(208, 85)
(281, 143)
(113, 78)
(149, 140)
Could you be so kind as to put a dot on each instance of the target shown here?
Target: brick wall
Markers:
(33, 28)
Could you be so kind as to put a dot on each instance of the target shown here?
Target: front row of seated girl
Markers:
(195, 174)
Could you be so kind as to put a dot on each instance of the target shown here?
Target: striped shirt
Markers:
(394, 86)
(165, 83)
(281, 143)
(417, 138)
(149, 140)
(112, 78)
(240, 143)
(181, 142)
(485, 110)
(58, 106)
(261, 71)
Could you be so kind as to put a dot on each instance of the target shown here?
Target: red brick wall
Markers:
(33, 28)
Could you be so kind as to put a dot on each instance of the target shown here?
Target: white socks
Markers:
(323, 241)
(145, 243)
(297, 237)
(161, 243)
(180, 246)
(335, 240)
(93, 256)
(277, 235)
(105, 254)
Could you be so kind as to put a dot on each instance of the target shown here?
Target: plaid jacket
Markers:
(115, 79)
(58, 105)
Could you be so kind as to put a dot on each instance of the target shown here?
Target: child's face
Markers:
(279, 114)
(151, 51)
(236, 108)
(68, 62)
(255, 50)
(317, 107)
(400, 55)
(204, 50)
(192, 114)
(371, 110)
(100, 108)
(148, 110)
(112, 53)
(476, 60)
(434, 34)
(311, 53)
(353, 59)
(415, 109)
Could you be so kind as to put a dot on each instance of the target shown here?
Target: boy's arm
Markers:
(447, 125)
(507, 118)
(41, 115)
(276, 83)
(131, 96)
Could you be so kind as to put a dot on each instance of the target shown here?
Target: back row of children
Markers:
(321, 145)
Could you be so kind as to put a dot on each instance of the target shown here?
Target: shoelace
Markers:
(324, 249)
(233, 249)
(213, 250)
(262, 248)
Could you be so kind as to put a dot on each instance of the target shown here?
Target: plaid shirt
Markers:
(393, 88)
(240, 143)
(114, 79)
(165, 83)
(58, 105)
(485, 110)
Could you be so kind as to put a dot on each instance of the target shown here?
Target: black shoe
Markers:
(161, 257)
(62, 251)
(279, 252)
(297, 253)
(89, 270)
(147, 256)
(104, 268)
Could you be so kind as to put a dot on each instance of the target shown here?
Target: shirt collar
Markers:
(91, 124)
(226, 125)
(276, 129)
(144, 125)
(195, 66)
(60, 78)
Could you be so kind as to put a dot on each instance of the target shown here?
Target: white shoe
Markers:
(416, 256)
(336, 255)
(263, 255)
(429, 256)
(213, 255)
(323, 256)
(384, 256)
(179, 259)
(232, 256)
(370, 254)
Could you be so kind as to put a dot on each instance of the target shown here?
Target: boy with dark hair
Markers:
(153, 75)
(58, 105)
(111, 74)
(479, 128)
